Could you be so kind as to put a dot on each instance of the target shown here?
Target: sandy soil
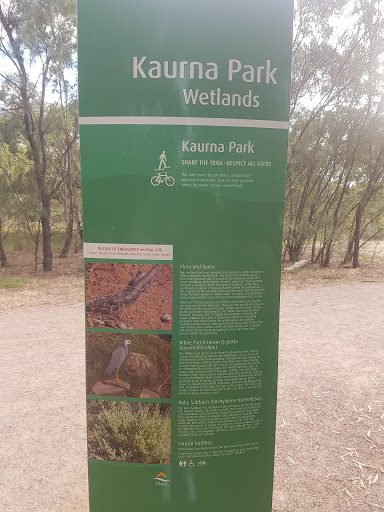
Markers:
(42, 411)
(330, 420)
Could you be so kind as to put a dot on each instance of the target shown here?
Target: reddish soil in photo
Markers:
(152, 310)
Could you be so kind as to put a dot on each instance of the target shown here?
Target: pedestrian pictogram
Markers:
(162, 174)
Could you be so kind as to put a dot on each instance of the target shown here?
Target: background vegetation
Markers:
(39, 149)
(335, 176)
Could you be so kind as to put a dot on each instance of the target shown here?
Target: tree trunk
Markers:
(70, 214)
(34, 136)
(79, 225)
(3, 256)
(314, 248)
(326, 259)
(285, 252)
(68, 234)
(319, 255)
(295, 247)
(356, 237)
(37, 247)
(294, 254)
(45, 198)
(348, 255)
(46, 232)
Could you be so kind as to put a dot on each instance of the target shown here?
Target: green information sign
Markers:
(184, 126)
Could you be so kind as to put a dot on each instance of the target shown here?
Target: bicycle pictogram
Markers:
(162, 177)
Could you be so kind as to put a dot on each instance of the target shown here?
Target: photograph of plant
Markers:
(129, 296)
(129, 432)
(129, 365)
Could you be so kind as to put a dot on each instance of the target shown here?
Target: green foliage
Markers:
(19, 240)
(38, 39)
(45, 26)
(335, 176)
(132, 432)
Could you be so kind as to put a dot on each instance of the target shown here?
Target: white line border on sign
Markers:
(185, 121)
(128, 251)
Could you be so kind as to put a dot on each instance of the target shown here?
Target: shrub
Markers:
(132, 432)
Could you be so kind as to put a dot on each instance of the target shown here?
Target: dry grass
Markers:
(64, 285)
(371, 269)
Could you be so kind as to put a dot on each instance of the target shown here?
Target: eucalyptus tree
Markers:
(67, 153)
(336, 87)
(36, 35)
(370, 184)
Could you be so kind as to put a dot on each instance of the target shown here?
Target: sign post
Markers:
(184, 126)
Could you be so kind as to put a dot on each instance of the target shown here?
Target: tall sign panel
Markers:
(184, 126)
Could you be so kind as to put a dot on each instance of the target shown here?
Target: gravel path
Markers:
(331, 374)
(42, 414)
(330, 420)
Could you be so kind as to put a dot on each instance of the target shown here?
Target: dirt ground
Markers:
(330, 420)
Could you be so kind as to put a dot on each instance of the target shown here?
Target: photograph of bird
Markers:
(117, 359)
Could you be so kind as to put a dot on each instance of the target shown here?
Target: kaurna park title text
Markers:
(142, 67)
